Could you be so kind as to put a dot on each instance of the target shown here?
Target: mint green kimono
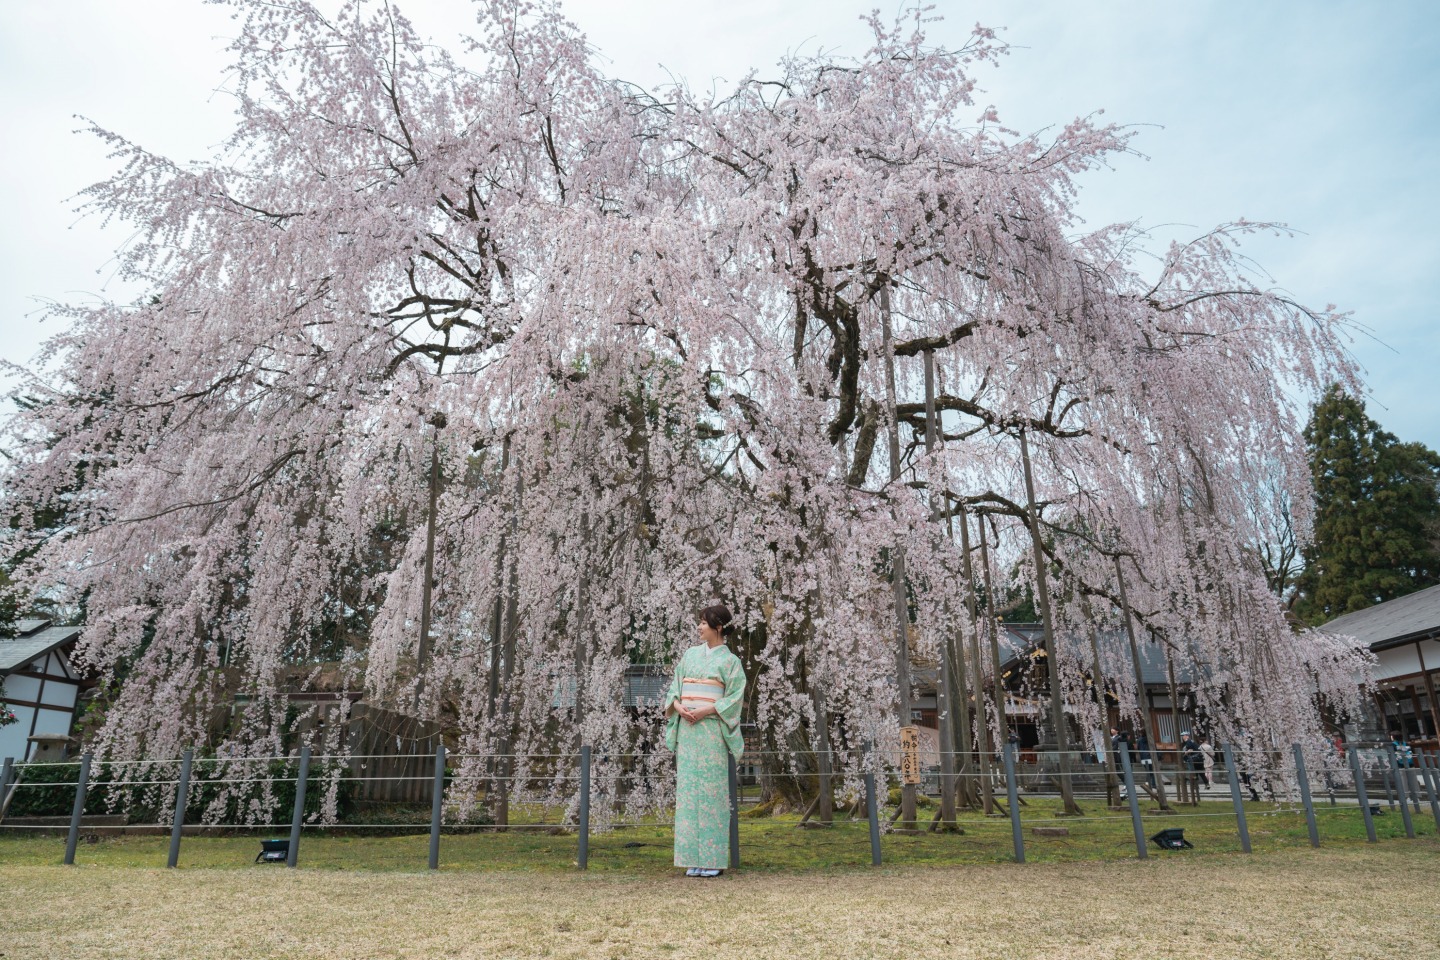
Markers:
(702, 773)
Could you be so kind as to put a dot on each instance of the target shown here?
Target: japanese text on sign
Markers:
(910, 754)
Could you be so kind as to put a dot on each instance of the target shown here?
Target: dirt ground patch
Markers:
(1338, 903)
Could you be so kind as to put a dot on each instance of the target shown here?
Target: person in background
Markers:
(1142, 747)
(1404, 756)
(1192, 765)
(1207, 751)
(1121, 741)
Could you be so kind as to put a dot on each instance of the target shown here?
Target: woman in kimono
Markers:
(702, 727)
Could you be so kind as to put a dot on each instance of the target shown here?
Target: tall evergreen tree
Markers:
(1377, 512)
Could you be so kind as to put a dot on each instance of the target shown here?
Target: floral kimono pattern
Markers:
(702, 773)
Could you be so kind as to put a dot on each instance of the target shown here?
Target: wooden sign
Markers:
(910, 754)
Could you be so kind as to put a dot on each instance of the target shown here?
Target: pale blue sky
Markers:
(1319, 114)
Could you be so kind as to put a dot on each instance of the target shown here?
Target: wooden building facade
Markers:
(1404, 635)
(41, 686)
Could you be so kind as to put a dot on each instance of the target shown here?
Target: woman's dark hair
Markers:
(717, 617)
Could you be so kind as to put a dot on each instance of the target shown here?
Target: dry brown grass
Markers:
(1332, 903)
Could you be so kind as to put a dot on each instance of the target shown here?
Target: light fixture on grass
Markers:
(273, 851)
(1172, 838)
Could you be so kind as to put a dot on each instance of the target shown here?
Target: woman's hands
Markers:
(700, 713)
(695, 715)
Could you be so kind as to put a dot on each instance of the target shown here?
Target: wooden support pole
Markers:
(1429, 692)
(897, 557)
(945, 704)
(982, 738)
(1098, 683)
(992, 631)
(505, 763)
(422, 657)
(1042, 598)
(1142, 701)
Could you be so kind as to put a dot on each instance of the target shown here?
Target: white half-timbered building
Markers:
(40, 686)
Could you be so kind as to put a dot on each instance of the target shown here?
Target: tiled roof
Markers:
(18, 651)
(1407, 617)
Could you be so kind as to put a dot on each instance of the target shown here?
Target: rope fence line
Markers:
(1409, 780)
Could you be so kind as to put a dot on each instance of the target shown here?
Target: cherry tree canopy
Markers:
(652, 341)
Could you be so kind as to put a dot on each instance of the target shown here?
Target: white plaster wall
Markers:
(12, 738)
(60, 694)
(21, 688)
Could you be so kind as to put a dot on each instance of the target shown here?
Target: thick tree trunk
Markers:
(825, 810)
(822, 808)
(786, 787)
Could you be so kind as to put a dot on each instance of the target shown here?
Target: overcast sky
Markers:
(1318, 114)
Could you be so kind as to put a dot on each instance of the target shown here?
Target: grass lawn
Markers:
(1346, 900)
(768, 844)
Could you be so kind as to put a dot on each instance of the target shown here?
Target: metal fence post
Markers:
(1240, 823)
(82, 783)
(1427, 777)
(872, 808)
(734, 812)
(182, 796)
(583, 859)
(1385, 782)
(1360, 793)
(1017, 834)
(1305, 798)
(5, 780)
(437, 806)
(1135, 822)
(292, 852)
(1400, 787)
